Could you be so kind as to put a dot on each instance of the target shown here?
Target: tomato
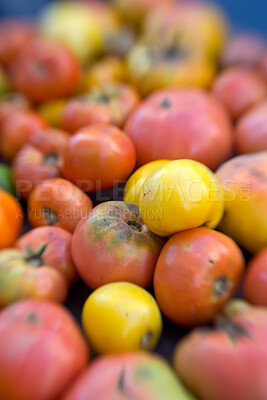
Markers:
(121, 317)
(244, 49)
(244, 182)
(264, 64)
(251, 131)
(196, 273)
(6, 179)
(57, 202)
(239, 89)
(112, 244)
(41, 350)
(45, 70)
(136, 375)
(99, 157)
(228, 361)
(11, 219)
(14, 33)
(111, 103)
(255, 283)
(180, 195)
(181, 123)
(20, 279)
(17, 128)
(136, 180)
(168, 65)
(51, 246)
(31, 166)
(50, 140)
(11, 103)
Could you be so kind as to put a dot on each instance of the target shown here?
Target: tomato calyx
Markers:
(146, 340)
(233, 330)
(134, 225)
(35, 258)
(50, 216)
(165, 103)
(32, 319)
(221, 286)
(51, 159)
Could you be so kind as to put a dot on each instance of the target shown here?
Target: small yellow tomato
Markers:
(180, 195)
(52, 110)
(135, 182)
(120, 317)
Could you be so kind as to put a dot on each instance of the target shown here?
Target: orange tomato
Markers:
(196, 273)
(11, 219)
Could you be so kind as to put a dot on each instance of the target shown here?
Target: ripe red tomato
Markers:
(255, 284)
(42, 350)
(17, 129)
(181, 123)
(44, 70)
(196, 273)
(57, 202)
(99, 157)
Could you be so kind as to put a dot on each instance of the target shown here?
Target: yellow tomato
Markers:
(180, 195)
(121, 317)
(52, 110)
(135, 182)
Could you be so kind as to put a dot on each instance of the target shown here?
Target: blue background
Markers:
(244, 14)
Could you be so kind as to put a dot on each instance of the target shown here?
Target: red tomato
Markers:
(239, 89)
(41, 351)
(181, 123)
(57, 202)
(255, 284)
(14, 34)
(99, 157)
(113, 244)
(17, 129)
(196, 273)
(44, 70)
(110, 103)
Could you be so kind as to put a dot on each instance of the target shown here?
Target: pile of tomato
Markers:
(133, 140)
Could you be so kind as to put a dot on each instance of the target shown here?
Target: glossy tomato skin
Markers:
(17, 130)
(239, 89)
(59, 203)
(99, 157)
(14, 34)
(195, 123)
(21, 279)
(251, 132)
(49, 351)
(228, 362)
(113, 244)
(146, 376)
(11, 219)
(51, 246)
(44, 70)
(196, 273)
(31, 166)
(255, 283)
(110, 103)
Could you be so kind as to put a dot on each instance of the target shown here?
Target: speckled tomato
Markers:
(42, 350)
(197, 272)
(49, 245)
(255, 283)
(110, 103)
(99, 157)
(113, 244)
(181, 123)
(57, 202)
